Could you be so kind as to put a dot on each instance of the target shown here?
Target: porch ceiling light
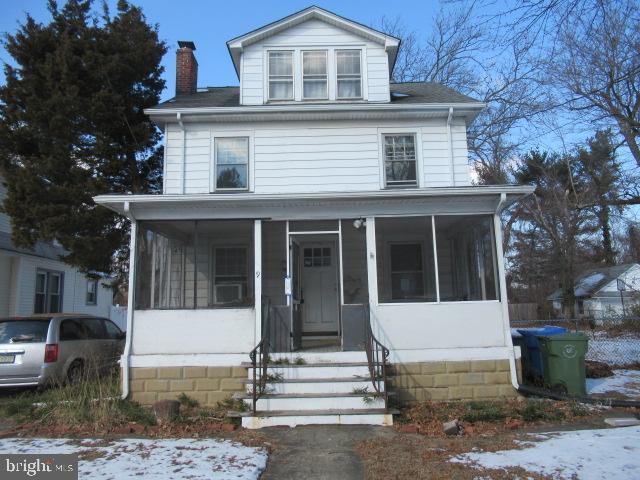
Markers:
(359, 222)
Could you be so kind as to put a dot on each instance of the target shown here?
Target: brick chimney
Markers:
(186, 69)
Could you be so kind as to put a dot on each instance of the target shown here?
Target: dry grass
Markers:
(419, 457)
(491, 417)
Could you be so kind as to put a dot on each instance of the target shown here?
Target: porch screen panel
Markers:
(224, 263)
(165, 258)
(194, 264)
(466, 258)
(354, 263)
(405, 262)
(313, 226)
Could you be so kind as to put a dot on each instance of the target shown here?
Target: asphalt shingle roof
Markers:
(589, 283)
(401, 93)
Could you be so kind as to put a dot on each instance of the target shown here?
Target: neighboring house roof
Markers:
(237, 44)
(594, 280)
(40, 249)
(401, 93)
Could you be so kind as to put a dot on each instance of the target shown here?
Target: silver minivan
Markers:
(56, 348)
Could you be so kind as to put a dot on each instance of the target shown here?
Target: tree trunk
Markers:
(608, 254)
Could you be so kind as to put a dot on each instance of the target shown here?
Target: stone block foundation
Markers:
(444, 381)
(207, 385)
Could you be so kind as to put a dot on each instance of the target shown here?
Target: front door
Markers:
(319, 288)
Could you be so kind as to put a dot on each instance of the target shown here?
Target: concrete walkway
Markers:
(318, 451)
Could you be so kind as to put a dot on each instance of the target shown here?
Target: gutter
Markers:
(326, 107)
(503, 292)
(132, 257)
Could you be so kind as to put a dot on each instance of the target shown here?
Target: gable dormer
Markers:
(313, 56)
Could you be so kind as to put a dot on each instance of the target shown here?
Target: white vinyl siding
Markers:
(314, 35)
(5, 221)
(321, 156)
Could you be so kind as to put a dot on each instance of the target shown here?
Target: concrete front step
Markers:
(308, 402)
(354, 370)
(316, 385)
(292, 418)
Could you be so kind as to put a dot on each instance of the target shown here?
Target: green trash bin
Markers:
(563, 362)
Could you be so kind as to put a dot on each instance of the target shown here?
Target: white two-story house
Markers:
(318, 228)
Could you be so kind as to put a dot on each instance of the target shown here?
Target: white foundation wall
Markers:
(193, 331)
(321, 156)
(447, 325)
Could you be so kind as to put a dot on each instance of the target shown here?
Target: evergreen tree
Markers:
(601, 172)
(72, 126)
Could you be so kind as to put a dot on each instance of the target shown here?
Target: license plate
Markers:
(7, 358)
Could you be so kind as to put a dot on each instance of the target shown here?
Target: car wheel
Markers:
(74, 374)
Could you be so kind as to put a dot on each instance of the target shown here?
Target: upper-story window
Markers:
(314, 75)
(281, 75)
(232, 163)
(348, 74)
(400, 160)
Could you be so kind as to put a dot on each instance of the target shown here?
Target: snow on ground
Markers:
(584, 454)
(614, 350)
(149, 458)
(625, 382)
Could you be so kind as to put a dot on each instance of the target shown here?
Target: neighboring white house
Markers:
(598, 295)
(317, 199)
(36, 280)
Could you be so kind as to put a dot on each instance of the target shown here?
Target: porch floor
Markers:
(321, 345)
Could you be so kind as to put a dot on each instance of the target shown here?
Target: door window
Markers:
(317, 257)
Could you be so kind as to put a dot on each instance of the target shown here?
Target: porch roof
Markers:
(324, 205)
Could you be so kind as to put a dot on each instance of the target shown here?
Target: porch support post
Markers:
(133, 261)
(372, 270)
(497, 227)
(257, 277)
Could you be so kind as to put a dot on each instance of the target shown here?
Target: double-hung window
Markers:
(232, 163)
(348, 74)
(281, 75)
(48, 295)
(314, 75)
(92, 292)
(230, 274)
(400, 160)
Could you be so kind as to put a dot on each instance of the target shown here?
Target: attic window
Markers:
(281, 75)
(314, 75)
(349, 74)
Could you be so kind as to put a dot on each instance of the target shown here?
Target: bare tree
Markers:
(591, 55)
(464, 52)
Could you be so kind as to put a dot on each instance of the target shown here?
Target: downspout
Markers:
(131, 292)
(497, 227)
(184, 152)
(450, 143)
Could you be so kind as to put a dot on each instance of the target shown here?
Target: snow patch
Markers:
(585, 454)
(625, 382)
(151, 459)
(586, 284)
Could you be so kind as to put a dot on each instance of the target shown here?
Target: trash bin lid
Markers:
(542, 331)
(564, 337)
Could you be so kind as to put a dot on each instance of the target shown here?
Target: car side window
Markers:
(72, 330)
(113, 332)
(94, 328)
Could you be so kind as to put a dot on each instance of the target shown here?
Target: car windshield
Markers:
(23, 331)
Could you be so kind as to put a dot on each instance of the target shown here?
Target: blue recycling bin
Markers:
(531, 356)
